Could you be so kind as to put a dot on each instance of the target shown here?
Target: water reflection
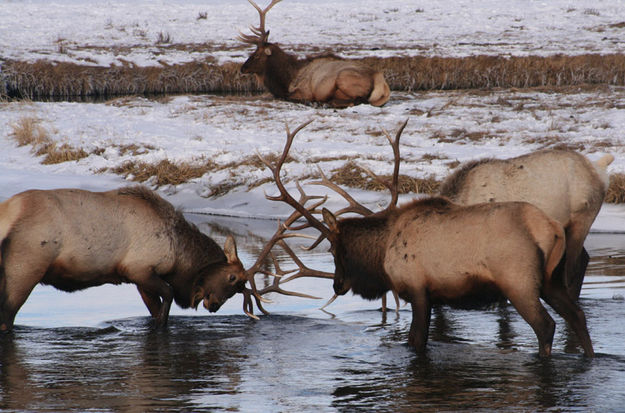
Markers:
(128, 367)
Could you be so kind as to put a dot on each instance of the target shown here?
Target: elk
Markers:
(326, 79)
(74, 239)
(433, 251)
(566, 185)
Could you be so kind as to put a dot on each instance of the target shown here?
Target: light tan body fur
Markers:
(74, 239)
(562, 183)
(436, 252)
(340, 82)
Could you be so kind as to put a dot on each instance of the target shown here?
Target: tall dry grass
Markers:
(29, 131)
(616, 190)
(44, 79)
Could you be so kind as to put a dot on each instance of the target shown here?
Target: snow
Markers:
(223, 130)
(83, 31)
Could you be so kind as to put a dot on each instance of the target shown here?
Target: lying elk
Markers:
(74, 239)
(326, 79)
(434, 251)
(563, 183)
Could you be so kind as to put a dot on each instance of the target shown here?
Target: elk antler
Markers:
(259, 34)
(284, 194)
(301, 210)
(393, 186)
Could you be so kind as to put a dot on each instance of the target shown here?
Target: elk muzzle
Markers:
(341, 287)
(212, 303)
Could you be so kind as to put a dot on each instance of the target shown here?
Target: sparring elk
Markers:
(566, 185)
(74, 239)
(433, 251)
(325, 79)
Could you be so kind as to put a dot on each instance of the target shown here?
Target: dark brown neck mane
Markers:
(363, 245)
(280, 71)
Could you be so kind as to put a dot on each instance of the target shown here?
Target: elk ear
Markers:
(267, 51)
(230, 249)
(330, 220)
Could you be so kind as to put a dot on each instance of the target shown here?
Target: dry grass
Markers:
(353, 176)
(45, 79)
(616, 189)
(163, 173)
(29, 131)
(57, 154)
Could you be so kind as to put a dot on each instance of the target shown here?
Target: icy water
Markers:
(97, 350)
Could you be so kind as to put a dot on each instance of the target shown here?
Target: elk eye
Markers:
(232, 278)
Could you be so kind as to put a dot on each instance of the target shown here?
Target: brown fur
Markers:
(563, 183)
(434, 251)
(74, 239)
(326, 79)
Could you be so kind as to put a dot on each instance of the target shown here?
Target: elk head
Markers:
(257, 62)
(217, 284)
(332, 228)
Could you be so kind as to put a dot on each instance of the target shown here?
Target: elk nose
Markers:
(214, 307)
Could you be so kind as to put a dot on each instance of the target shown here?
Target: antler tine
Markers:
(395, 146)
(260, 34)
(354, 206)
(303, 199)
(284, 194)
(275, 286)
(304, 271)
(393, 186)
(330, 301)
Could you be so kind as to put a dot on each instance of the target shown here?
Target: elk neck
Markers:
(195, 253)
(363, 250)
(280, 71)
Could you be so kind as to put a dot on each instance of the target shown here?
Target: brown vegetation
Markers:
(45, 79)
(616, 189)
(29, 131)
(163, 173)
(354, 176)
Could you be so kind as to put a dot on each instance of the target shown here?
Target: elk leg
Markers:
(18, 278)
(527, 303)
(152, 302)
(152, 285)
(578, 271)
(420, 325)
(576, 258)
(567, 308)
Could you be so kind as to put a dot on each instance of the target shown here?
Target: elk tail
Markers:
(601, 167)
(381, 92)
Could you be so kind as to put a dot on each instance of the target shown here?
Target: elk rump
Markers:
(563, 183)
(74, 239)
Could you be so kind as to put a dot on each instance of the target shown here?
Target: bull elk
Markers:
(563, 183)
(326, 79)
(433, 251)
(74, 239)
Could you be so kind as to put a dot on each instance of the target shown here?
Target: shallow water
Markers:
(97, 350)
